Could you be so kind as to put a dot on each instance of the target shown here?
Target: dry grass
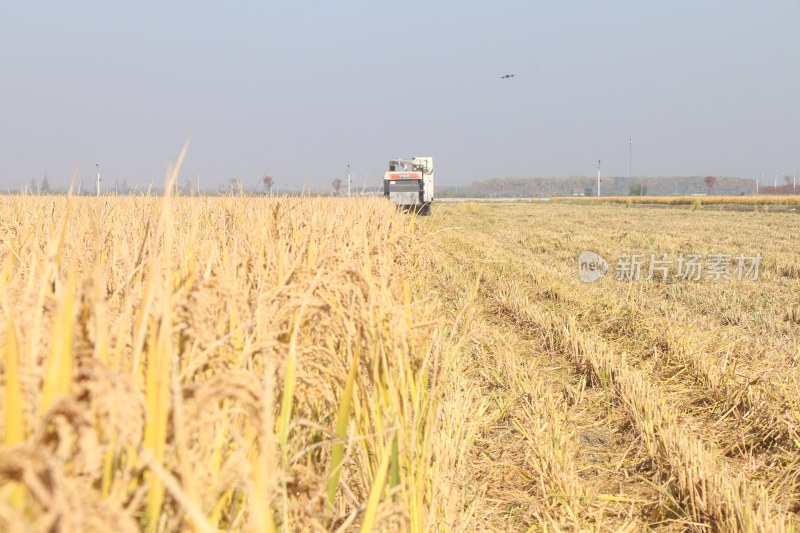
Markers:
(256, 364)
(760, 200)
(674, 403)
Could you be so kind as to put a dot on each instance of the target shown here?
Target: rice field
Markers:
(785, 200)
(324, 364)
(624, 405)
(213, 364)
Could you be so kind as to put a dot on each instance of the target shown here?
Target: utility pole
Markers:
(349, 180)
(98, 179)
(598, 177)
(630, 158)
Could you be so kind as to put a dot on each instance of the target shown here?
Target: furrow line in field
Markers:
(747, 412)
(728, 379)
(528, 454)
(707, 490)
(687, 410)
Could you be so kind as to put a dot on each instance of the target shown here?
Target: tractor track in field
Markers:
(550, 452)
(635, 435)
(730, 393)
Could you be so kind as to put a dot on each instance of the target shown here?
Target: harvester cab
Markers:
(409, 183)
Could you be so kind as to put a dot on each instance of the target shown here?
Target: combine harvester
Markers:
(409, 184)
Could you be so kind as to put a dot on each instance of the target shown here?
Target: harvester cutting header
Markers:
(409, 183)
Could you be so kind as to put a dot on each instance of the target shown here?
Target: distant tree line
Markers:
(495, 187)
(265, 186)
(609, 186)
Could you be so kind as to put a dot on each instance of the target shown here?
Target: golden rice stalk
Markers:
(59, 363)
(15, 424)
(263, 461)
(377, 489)
(289, 379)
(342, 420)
(157, 393)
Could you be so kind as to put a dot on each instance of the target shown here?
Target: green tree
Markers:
(637, 189)
(710, 182)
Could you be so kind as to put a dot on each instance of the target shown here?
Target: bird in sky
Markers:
(507, 76)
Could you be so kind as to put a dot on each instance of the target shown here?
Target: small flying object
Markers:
(507, 76)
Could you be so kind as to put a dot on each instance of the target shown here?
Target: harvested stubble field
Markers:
(623, 405)
(774, 200)
(263, 364)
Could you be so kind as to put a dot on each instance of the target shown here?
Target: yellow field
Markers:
(231, 363)
(264, 364)
(623, 405)
(761, 200)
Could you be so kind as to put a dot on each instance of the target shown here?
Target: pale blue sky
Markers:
(302, 89)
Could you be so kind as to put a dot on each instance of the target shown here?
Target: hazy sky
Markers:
(303, 88)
